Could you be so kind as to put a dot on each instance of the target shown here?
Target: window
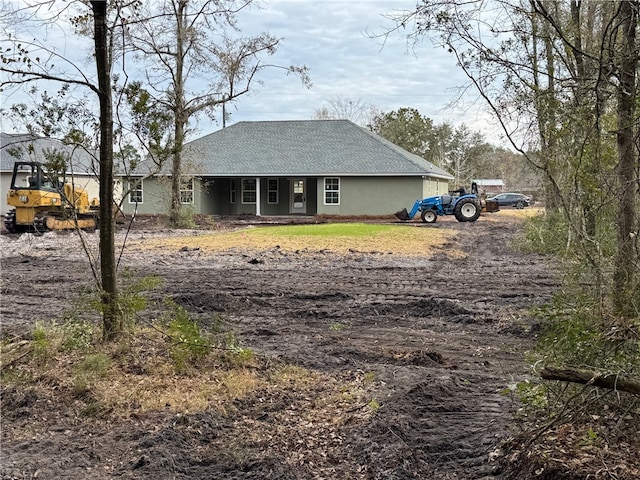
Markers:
(186, 190)
(232, 190)
(135, 191)
(248, 190)
(272, 190)
(332, 191)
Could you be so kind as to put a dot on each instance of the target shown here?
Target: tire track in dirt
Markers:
(441, 337)
(438, 419)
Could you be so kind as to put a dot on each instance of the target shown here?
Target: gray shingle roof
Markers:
(11, 143)
(301, 148)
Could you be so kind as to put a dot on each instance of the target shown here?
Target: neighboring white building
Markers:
(490, 185)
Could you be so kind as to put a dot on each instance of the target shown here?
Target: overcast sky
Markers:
(332, 38)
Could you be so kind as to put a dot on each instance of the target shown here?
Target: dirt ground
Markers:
(432, 339)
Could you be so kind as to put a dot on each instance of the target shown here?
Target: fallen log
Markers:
(13, 352)
(611, 381)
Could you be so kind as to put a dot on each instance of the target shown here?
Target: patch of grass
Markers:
(331, 230)
(108, 382)
(414, 239)
(89, 369)
(41, 344)
(292, 375)
(368, 379)
(79, 374)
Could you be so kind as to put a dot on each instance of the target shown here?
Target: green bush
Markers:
(545, 234)
(234, 354)
(131, 296)
(188, 344)
(576, 332)
(77, 335)
(183, 218)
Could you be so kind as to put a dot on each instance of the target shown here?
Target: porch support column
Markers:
(257, 197)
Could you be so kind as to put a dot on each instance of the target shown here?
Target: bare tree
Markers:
(626, 262)
(29, 61)
(195, 64)
(344, 108)
(113, 321)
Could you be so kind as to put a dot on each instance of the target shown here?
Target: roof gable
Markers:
(301, 147)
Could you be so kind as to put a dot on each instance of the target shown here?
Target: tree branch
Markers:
(587, 377)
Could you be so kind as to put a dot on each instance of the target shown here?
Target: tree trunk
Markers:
(546, 103)
(179, 113)
(176, 172)
(112, 320)
(626, 260)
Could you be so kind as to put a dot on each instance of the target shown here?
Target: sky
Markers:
(336, 40)
(333, 39)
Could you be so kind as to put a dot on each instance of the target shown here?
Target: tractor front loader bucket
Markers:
(402, 214)
(491, 206)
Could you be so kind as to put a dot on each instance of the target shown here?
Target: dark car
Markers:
(517, 200)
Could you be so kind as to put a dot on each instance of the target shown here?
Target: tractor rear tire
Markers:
(466, 211)
(429, 216)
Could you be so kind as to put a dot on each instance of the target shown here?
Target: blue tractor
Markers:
(466, 207)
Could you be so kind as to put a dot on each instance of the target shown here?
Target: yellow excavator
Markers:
(44, 201)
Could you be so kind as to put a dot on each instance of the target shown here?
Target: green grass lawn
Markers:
(337, 237)
(331, 230)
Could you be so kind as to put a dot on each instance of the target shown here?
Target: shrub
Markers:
(545, 234)
(579, 333)
(188, 344)
(131, 297)
(77, 335)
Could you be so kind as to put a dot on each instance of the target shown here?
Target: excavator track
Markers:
(39, 225)
(48, 222)
(10, 223)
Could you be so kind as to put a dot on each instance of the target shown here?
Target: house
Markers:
(305, 167)
(28, 148)
(490, 186)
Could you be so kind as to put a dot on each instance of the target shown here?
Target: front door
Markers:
(298, 196)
